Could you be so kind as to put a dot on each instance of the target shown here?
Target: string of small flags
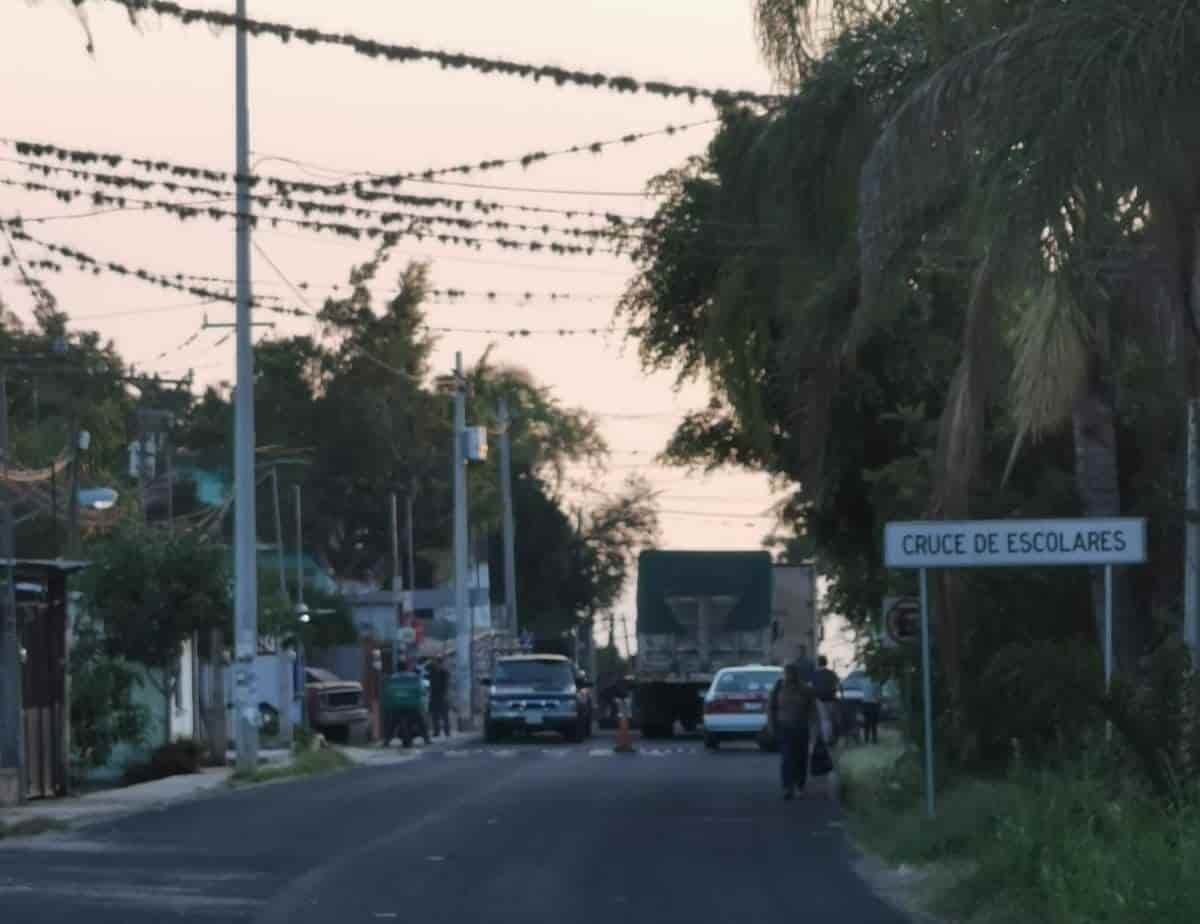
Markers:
(372, 48)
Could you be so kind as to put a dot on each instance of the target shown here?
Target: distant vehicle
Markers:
(853, 687)
(700, 612)
(537, 692)
(735, 706)
(335, 707)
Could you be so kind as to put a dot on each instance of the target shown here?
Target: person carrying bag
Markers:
(790, 711)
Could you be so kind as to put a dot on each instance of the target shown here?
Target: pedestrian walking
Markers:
(804, 663)
(871, 707)
(789, 714)
(826, 685)
(439, 698)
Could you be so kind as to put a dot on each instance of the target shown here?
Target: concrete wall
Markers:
(793, 610)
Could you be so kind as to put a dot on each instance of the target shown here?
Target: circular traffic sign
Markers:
(902, 620)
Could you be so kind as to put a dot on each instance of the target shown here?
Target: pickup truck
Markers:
(335, 707)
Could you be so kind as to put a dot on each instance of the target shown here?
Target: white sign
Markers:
(406, 635)
(1007, 543)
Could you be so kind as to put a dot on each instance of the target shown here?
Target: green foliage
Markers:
(152, 589)
(1073, 842)
(102, 709)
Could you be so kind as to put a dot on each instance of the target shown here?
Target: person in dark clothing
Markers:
(789, 713)
(826, 686)
(871, 708)
(439, 698)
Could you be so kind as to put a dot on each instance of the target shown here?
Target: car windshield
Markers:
(747, 681)
(534, 673)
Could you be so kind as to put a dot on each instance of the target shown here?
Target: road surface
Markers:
(527, 833)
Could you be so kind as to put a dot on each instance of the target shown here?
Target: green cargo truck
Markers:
(697, 612)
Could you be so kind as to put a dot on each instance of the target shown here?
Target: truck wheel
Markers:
(712, 742)
(689, 725)
(491, 734)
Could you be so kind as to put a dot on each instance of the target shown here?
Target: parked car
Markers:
(534, 693)
(335, 707)
(735, 706)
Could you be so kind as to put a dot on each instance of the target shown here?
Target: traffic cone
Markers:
(624, 743)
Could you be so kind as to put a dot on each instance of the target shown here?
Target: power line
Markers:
(357, 232)
(373, 48)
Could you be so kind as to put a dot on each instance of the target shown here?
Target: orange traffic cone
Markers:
(624, 743)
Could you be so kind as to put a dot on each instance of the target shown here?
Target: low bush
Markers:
(175, 759)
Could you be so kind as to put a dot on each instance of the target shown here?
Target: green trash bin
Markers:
(404, 708)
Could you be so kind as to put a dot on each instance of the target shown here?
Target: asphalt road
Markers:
(533, 832)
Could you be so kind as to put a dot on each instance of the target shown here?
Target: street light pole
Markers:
(245, 552)
(301, 609)
(12, 744)
(462, 648)
(510, 557)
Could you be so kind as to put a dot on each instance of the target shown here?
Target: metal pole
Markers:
(1191, 571)
(462, 647)
(1108, 626)
(412, 562)
(397, 579)
(286, 684)
(12, 744)
(927, 681)
(245, 555)
(510, 557)
(300, 602)
(169, 452)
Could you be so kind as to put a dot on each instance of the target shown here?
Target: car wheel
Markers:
(712, 742)
(572, 734)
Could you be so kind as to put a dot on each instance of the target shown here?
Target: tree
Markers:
(150, 590)
(103, 713)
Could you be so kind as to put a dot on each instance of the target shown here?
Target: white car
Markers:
(735, 706)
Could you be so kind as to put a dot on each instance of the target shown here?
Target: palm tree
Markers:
(1074, 124)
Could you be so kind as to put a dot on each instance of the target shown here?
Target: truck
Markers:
(698, 612)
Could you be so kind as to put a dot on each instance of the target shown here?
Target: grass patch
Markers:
(1070, 845)
(30, 827)
(305, 763)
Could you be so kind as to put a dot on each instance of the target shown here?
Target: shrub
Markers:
(178, 758)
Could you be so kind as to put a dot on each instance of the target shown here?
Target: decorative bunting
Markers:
(448, 60)
(288, 188)
(417, 229)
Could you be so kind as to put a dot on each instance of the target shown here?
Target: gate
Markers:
(43, 636)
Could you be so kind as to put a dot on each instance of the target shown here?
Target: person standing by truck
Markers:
(439, 697)
(789, 712)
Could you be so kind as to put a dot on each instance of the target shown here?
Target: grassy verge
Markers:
(30, 827)
(1066, 846)
(305, 763)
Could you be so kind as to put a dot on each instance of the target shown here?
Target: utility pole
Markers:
(463, 640)
(510, 558)
(412, 561)
(286, 685)
(1191, 571)
(301, 609)
(245, 553)
(397, 580)
(12, 744)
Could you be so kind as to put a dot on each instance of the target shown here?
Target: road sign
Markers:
(901, 620)
(406, 635)
(1008, 543)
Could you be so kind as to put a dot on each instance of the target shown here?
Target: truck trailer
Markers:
(698, 612)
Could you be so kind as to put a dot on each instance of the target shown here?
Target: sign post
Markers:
(921, 545)
(927, 686)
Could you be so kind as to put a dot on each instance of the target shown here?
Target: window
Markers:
(747, 681)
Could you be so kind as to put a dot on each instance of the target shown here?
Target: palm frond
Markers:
(1051, 363)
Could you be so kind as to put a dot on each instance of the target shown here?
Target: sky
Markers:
(165, 90)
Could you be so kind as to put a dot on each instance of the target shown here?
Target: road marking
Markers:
(600, 752)
(387, 914)
(435, 859)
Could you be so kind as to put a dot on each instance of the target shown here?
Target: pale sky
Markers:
(167, 92)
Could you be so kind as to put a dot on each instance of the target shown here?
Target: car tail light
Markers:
(721, 705)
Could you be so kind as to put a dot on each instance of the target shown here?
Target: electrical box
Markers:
(475, 444)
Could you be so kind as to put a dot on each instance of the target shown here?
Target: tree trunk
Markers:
(1097, 482)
